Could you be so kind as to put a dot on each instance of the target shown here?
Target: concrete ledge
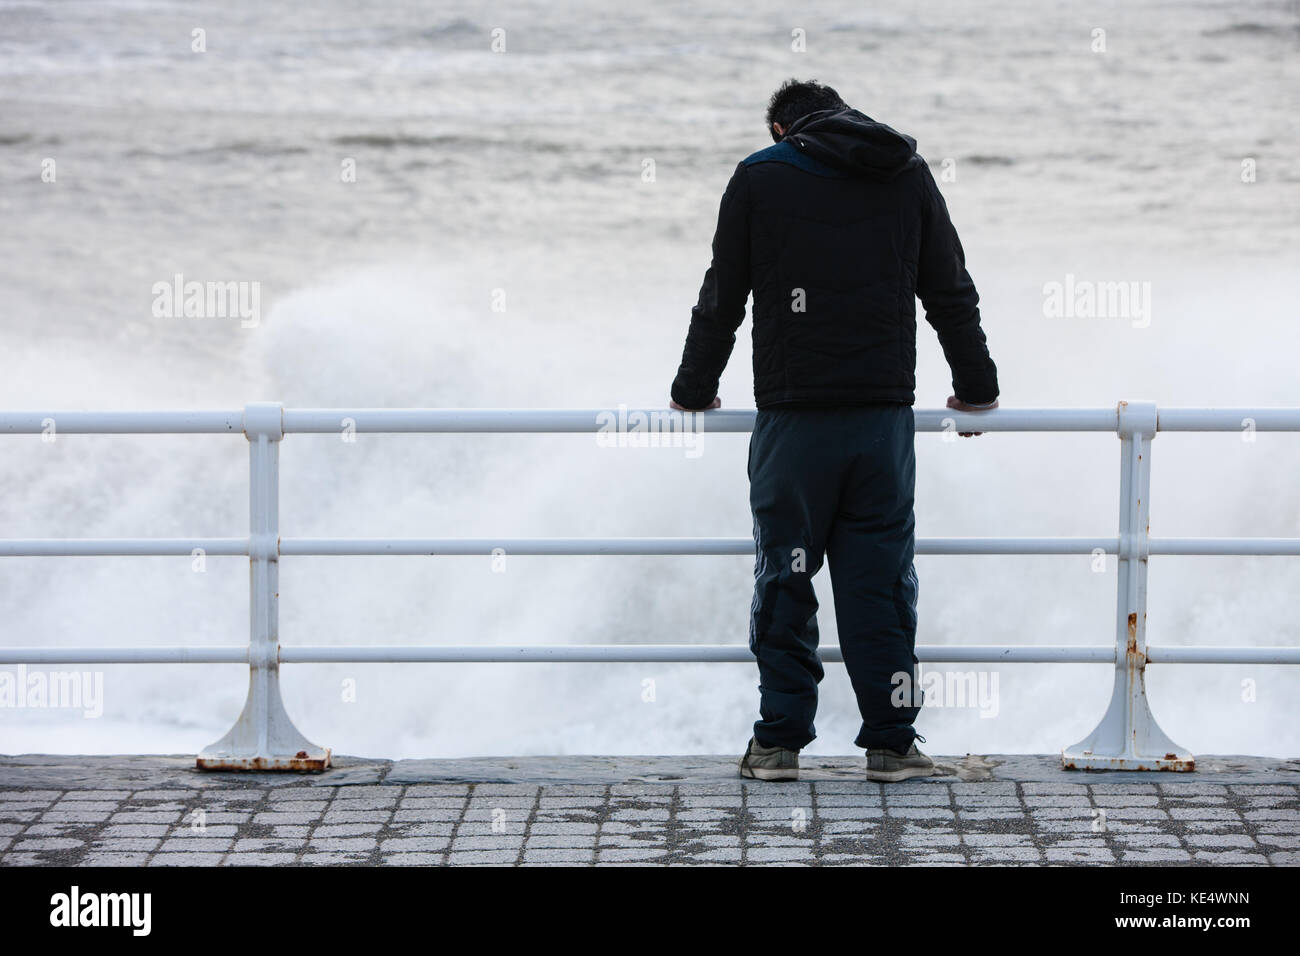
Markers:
(127, 772)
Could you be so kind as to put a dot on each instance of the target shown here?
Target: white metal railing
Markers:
(264, 737)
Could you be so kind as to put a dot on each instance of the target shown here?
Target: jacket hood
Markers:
(852, 141)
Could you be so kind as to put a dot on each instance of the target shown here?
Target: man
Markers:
(837, 229)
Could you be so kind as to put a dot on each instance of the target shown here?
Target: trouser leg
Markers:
(793, 484)
(870, 550)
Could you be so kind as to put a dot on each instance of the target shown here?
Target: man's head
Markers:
(795, 99)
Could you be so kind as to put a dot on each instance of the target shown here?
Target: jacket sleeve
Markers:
(951, 302)
(721, 306)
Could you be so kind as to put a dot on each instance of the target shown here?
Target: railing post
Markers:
(1128, 737)
(264, 738)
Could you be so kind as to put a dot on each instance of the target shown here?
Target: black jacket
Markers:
(836, 230)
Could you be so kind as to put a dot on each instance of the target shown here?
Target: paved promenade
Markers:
(983, 810)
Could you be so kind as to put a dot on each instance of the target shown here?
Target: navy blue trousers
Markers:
(834, 484)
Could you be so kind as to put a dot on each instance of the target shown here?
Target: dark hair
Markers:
(798, 98)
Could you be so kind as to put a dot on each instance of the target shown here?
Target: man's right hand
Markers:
(957, 404)
(716, 403)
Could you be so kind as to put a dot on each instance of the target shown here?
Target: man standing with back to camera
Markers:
(837, 229)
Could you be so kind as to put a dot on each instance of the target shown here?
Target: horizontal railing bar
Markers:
(124, 655)
(671, 653)
(123, 423)
(657, 546)
(1018, 420)
(500, 420)
(451, 547)
(1232, 546)
(627, 653)
(616, 421)
(1227, 419)
(136, 547)
(532, 653)
(955, 546)
(516, 546)
(576, 421)
(1160, 654)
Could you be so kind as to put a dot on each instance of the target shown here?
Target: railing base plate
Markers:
(1084, 760)
(315, 760)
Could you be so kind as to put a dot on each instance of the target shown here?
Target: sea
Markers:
(510, 205)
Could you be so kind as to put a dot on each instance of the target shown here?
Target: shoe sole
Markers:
(759, 773)
(894, 776)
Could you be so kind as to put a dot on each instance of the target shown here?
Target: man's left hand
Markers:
(957, 404)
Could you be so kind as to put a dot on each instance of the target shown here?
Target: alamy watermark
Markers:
(208, 300)
(131, 911)
(83, 690)
(652, 429)
(1086, 299)
(976, 689)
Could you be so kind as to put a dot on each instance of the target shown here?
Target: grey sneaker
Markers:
(769, 763)
(889, 766)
